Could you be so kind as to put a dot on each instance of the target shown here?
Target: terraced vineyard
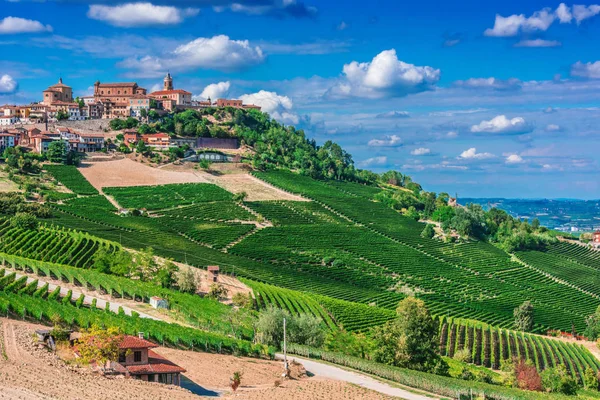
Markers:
(167, 196)
(488, 346)
(70, 176)
(294, 302)
(342, 245)
(195, 310)
(46, 307)
(51, 244)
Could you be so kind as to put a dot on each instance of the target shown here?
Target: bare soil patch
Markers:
(126, 172)
(6, 185)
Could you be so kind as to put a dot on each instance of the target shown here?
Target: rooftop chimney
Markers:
(141, 335)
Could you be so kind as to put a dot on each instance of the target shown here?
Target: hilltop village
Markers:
(20, 124)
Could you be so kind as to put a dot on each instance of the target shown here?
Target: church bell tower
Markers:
(168, 82)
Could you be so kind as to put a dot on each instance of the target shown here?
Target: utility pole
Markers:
(286, 370)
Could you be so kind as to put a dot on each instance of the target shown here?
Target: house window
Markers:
(122, 358)
(137, 356)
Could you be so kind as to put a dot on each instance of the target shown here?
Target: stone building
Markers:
(57, 93)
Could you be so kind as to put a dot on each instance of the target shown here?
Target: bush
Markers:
(428, 232)
(242, 300)
(217, 292)
(463, 355)
(527, 376)
(24, 221)
(558, 380)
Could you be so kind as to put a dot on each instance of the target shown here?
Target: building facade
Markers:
(57, 92)
(7, 140)
(137, 103)
(179, 97)
(114, 97)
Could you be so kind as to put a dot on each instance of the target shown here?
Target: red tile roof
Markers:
(157, 364)
(161, 92)
(118, 84)
(134, 342)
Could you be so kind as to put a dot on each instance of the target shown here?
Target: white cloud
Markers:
(452, 134)
(515, 24)
(514, 159)
(277, 8)
(387, 141)
(491, 83)
(279, 107)
(586, 70)
(538, 43)
(563, 13)
(501, 124)
(384, 76)
(342, 26)
(219, 53)
(215, 91)
(472, 154)
(582, 12)
(8, 85)
(552, 128)
(129, 15)
(421, 151)
(156, 87)
(394, 114)
(373, 161)
(12, 25)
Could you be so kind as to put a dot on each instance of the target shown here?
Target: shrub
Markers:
(558, 380)
(527, 376)
(217, 291)
(463, 355)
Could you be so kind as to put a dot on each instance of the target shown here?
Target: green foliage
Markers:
(592, 330)
(118, 124)
(62, 115)
(352, 344)
(57, 151)
(186, 281)
(217, 292)
(411, 340)
(524, 317)
(305, 329)
(22, 161)
(24, 221)
(204, 164)
(558, 380)
(443, 214)
(12, 203)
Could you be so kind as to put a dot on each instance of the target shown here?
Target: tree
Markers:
(352, 344)
(592, 330)
(143, 113)
(141, 147)
(241, 300)
(145, 264)
(116, 263)
(306, 329)
(524, 317)
(186, 281)
(153, 104)
(240, 197)
(100, 344)
(269, 326)
(558, 380)
(24, 221)
(61, 115)
(165, 276)
(411, 340)
(204, 164)
(428, 232)
(57, 152)
(217, 292)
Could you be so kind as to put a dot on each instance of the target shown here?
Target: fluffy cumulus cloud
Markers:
(472, 154)
(14, 25)
(139, 14)
(373, 162)
(540, 21)
(519, 23)
(384, 76)
(218, 53)
(278, 107)
(587, 70)
(421, 151)
(8, 85)
(277, 8)
(502, 125)
(514, 159)
(387, 141)
(552, 128)
(490, 83)
(215, 91)
(538, 43)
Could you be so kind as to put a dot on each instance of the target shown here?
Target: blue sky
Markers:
(479, 98)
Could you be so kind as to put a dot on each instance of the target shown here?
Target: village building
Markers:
(6, 120)
(159, 302)
(137, 103)
(114, 98)
(596, 239)
(7, 140)
(157, 139)
(138, 361)
(235, 104)
(171, 97)
(57, 93)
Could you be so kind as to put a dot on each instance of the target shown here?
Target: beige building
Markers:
(179, 97)
(114, 97)
(58, 92)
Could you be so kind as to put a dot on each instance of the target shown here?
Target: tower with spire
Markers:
(168, 82)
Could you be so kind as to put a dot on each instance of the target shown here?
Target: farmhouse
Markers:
(596, 240)
(157, 139)
(136, 360)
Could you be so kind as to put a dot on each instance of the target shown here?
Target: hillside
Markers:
(310, 234)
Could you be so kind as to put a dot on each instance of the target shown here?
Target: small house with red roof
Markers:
(596, 240)
(138, 361)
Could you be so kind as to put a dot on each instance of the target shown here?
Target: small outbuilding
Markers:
(158, 302)
(213, 271)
